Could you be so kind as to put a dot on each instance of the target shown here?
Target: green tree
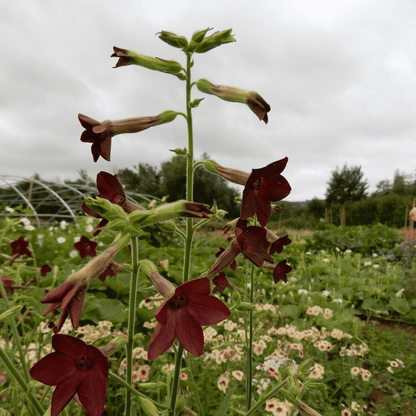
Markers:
(346, 185)
(146, 179)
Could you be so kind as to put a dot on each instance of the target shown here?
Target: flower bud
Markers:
(172, 39)
(246, 307)
(199, 35)
(148, 407)
(211, 42)
(127, 57)
(162, 285)
(179, 151)
(210, 165)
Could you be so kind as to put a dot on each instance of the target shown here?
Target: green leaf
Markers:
(10, 312)
(400, 305)
(290, 310)
(112, 310)
(222, 410)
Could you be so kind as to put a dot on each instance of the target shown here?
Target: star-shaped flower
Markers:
(86, 247)
(264, 186)
(74, 368)
(181, 316)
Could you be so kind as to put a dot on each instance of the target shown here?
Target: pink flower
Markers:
(74, 368)
(182, 315)
(263, 186)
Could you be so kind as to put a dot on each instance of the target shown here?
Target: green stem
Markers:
(266, 397)
(189, 223)
(188, 364)
(132, 318)
(249, 372)
(16, 336)
(17, 376)
(133, 391)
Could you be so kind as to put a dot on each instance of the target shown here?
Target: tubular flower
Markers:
(221, 282)
(69, 296)
(182, 315)
(74, 368)
(233, 265)
(110, 188)
(225, 259)
(278, 243)
(100, 133)
(251, 241)
(279, 271)
(264, 186)
(254, 100)
(86, 247)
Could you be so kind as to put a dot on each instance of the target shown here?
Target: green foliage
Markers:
(346, 185)
(363, 240)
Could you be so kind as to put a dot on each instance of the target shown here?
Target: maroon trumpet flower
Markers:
(20, 248)
(182, 315)
(74, 368)
(44, 270)
(277, 245)
(86, 247)
(233, 265)
(221, 282)
(279, 271)
(251, 241)
(264, 186)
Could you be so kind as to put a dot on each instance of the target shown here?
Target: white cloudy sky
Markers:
(339, 75)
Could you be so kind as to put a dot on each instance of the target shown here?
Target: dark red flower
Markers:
(182, 315)
(86, 247)
(225, 259)
(279, 271)
(8, 285)
(20, 247)
(74, 368)
(251, 241)
(110, 188)
(112, 269)
(277, 245)
(69, 297)
(221, 282)
(264, 186)
(44, 270)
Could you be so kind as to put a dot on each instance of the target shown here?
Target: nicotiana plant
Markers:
(80, 371)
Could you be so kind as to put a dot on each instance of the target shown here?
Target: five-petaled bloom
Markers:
(74, 368)
(86, 247)
(264, 186)
(181, 316)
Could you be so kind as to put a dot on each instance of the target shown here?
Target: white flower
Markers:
(399, 294)
(39, 236)
(376, 266)
(25, 221)
(90, 220)
(89, 229)
(375, 255)
(29, 227)
(77, 238)
(325, 293)
(367, 263)
(302, 292)
(348, 252)
(325, 260)
(61, 240)
(308, 252)
(73, 253)
(337, 249)
(63, 224)
(337, 300)
(8, 209)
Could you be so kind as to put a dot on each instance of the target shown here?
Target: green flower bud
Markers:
(127, 57)
(179, 151)
(216, 39)
(199, 35)
(148, 407)
(210, 164)
(166, 117)
(195, 103)
(167, 226)
(172, 39)
(106, 209)
(147, 266)
(246, 307)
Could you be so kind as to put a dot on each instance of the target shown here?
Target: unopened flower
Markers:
(254, 100)
(182, 315)
(74, 368)
(101, 133)
(264, 186)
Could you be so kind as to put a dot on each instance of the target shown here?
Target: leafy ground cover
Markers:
(352, 309)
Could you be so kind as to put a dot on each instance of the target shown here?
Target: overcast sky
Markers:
(340, 77)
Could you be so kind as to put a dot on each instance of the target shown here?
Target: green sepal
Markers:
(199, 35)
(148, 407)
(246, 307)
(209, 165)
(173, 39)
(216, 39)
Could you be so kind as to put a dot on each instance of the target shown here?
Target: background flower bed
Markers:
(353, 311)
